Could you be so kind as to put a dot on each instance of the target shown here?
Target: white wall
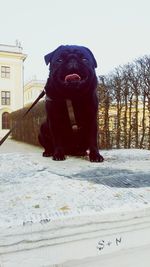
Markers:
(12, 57)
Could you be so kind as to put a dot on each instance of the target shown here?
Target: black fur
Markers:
(58, 136)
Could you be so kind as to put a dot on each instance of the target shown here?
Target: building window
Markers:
(5, 120)
(5, 98)
(5, 72)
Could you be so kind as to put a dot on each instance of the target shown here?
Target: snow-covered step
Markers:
(75, 213)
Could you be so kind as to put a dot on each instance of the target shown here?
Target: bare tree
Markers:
(116, 86)
(144, 70)
(104, 100)
(134, 82)
(123, 94)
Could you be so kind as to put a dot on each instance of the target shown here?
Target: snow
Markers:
(49, 208)
(34, 189)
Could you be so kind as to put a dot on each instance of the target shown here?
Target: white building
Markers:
(32, 89)
(11, 82)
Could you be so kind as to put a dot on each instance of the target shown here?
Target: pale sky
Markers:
(117, 31)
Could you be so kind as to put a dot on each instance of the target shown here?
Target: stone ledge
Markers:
(89, 209)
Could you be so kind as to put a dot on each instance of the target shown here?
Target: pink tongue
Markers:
(72, 77)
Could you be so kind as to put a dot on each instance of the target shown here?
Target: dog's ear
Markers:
(93, 58)
(95, 62)
(49, 56)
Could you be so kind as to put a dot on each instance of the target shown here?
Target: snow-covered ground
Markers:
(37, 191)
(34, 188)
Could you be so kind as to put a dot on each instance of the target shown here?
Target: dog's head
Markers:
(72, 68)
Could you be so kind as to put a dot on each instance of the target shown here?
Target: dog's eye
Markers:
(59, 60)
(84, 59)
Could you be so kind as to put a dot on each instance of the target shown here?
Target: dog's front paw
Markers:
(47, 154)
(95, 157)
(59, 155)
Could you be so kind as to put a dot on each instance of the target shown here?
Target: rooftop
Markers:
(11, 48)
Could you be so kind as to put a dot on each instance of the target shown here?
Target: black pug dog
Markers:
(72, 76)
